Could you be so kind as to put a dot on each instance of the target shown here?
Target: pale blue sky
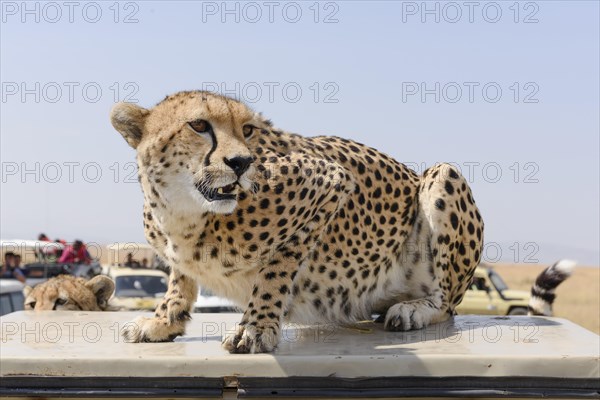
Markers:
(367, 61)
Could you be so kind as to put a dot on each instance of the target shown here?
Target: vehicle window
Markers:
(17, 301)
(5, 305)
(479, 284)
(140, 286)
(497, 281)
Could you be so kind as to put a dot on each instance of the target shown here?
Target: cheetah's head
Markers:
(66, 292)
(192, 150)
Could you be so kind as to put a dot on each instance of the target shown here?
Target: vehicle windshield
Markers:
(497, 281)
(140, 286)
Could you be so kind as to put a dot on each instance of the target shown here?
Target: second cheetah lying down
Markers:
(66, 292)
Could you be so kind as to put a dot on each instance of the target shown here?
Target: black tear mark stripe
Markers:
(213, 138)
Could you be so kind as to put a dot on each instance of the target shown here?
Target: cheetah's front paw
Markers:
(404, 317)
(144, 329)
(252, 339)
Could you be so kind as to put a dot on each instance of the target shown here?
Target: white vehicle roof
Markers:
(10, 286)
(29, 249)
(22, 244)
(82, 354)
(464, 346)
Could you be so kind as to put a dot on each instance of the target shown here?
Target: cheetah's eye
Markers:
(200, 126)
(31, 305)
(60, 302)
(247, 130)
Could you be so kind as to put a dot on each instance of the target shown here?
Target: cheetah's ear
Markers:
(27, 290)
(102, 287)
(128, 119)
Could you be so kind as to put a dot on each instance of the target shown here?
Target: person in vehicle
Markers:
(131, 263)
(59, 251)
(45, 253)
(10, 270)
(17, 266)
(75, 254)
(479, 284)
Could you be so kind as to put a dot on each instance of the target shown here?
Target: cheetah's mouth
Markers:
(227, 192)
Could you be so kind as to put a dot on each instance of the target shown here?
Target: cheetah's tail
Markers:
(542, 291)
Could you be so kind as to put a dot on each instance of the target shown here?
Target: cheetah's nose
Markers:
(239, 165)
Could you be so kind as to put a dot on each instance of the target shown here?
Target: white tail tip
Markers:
(565, 266)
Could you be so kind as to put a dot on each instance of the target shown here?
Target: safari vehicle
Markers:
(37, 257)
(32, 250)
(11, 296)
(82, 355)
(137, 289)
(489, 295)
(40, 272)
(207, 302)
(40, 258)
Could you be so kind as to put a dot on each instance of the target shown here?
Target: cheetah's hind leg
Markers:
(452, 234)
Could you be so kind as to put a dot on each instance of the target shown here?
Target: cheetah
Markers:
(66, 292)
(293, 229)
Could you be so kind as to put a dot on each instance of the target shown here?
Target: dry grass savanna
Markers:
(577, 299)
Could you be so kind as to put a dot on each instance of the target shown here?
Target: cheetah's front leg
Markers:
(259, 330)
(170, 316)
(329, 185)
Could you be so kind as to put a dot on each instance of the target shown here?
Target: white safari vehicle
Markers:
(137, 289)
(11, 296)
(81, 355)
(208, 302)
